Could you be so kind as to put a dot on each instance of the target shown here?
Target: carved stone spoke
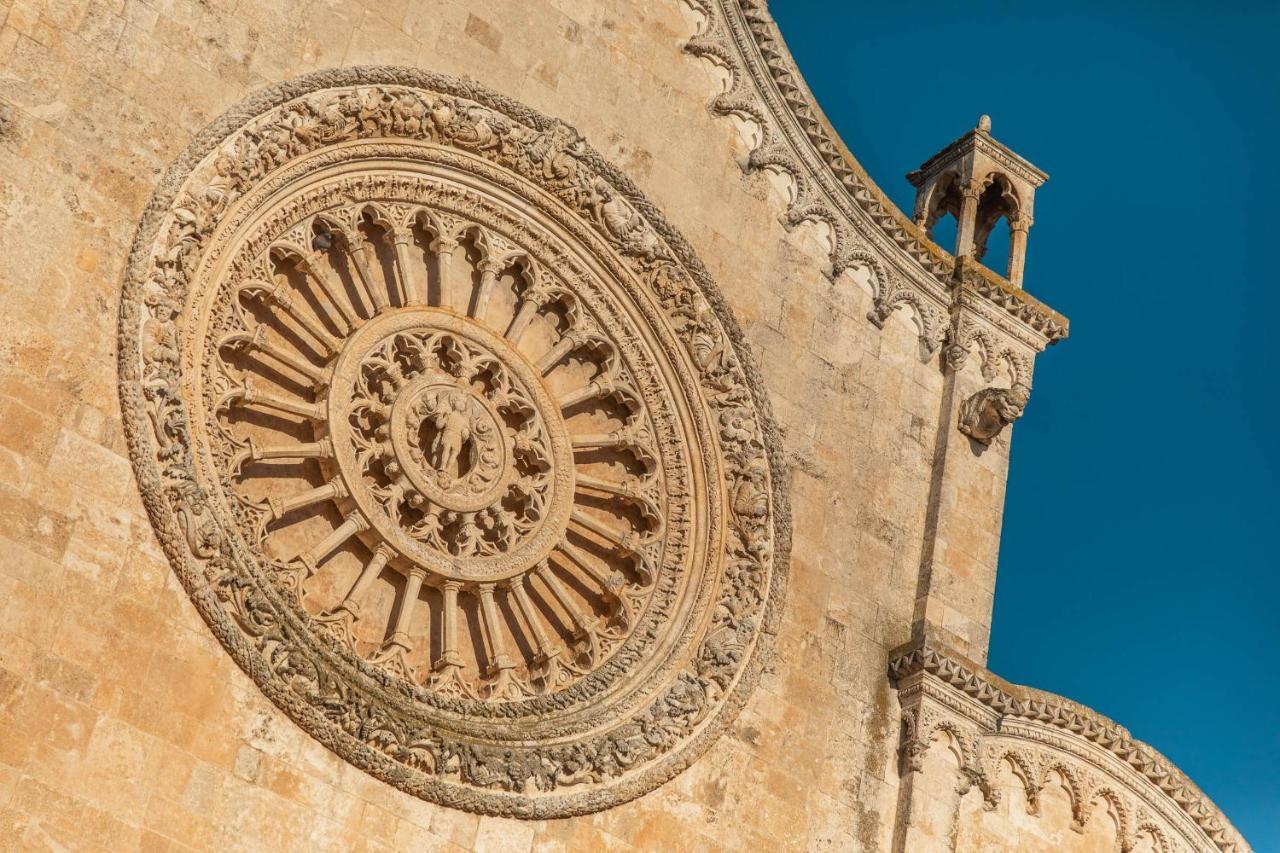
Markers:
(488, 276)
(249, 395)
(351, 525)
(546, 649)
(333, 490)
(258, 342)
(279, 297)
(351, 602)
(316, 267)
(411, 287)
(305, 450)
(372, 286)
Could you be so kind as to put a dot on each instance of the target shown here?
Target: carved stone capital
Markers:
(1021, 222)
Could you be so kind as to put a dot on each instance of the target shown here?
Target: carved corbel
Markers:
(912, 747)
(957, 355)
(975, 777)
(985, 414)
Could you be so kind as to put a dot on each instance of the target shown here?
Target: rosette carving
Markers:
(451, 441)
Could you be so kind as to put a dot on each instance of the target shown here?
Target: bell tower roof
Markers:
(980, 143)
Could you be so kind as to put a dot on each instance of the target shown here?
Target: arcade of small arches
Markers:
(1056, 803)
(995, 198)
(979, 181)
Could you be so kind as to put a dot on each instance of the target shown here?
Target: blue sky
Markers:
(1138, 571)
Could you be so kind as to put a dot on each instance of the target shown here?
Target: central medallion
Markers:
(447, 441)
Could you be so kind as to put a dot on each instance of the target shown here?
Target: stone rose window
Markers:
(449, 439)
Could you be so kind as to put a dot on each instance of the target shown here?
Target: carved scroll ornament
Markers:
(451, 441)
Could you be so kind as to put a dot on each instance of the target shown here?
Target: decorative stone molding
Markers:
(907, 269)
(452, 441)
(992, 721)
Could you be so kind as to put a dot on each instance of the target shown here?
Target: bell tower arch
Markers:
(979, 181)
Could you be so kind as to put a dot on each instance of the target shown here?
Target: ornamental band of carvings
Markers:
(905, 269)
(451, 441)
(990, 722)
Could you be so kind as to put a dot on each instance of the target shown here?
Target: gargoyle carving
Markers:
(990, 410)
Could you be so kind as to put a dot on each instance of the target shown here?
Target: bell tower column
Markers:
(1018, 228)
(967, 222)
(978, 180)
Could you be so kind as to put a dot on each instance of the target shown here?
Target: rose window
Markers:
(441, 428)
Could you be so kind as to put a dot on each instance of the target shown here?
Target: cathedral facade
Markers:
(480, 425)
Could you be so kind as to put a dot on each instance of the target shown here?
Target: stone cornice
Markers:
(830, 185)
(987, 696)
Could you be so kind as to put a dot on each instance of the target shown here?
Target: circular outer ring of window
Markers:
(441, 601)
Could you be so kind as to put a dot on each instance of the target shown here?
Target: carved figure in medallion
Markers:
(450, 414)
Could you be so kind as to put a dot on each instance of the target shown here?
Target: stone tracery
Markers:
(444, 449)
(445, 432)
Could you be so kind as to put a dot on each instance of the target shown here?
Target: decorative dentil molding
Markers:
(359, 329)
(991, 721)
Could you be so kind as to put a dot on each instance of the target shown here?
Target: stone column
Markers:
(968, 222)
(1018, 229)
(962, 530)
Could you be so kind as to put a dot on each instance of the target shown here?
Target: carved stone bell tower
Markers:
(978, 180)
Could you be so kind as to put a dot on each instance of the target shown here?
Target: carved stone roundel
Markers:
(448, 436)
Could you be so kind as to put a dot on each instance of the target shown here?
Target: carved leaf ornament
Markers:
(449, 437)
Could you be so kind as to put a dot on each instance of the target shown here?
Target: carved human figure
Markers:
(451, 418)
(707, 344)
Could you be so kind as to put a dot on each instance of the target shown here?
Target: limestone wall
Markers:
(125, 725)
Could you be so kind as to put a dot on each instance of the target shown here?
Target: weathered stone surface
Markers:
(124, 722)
